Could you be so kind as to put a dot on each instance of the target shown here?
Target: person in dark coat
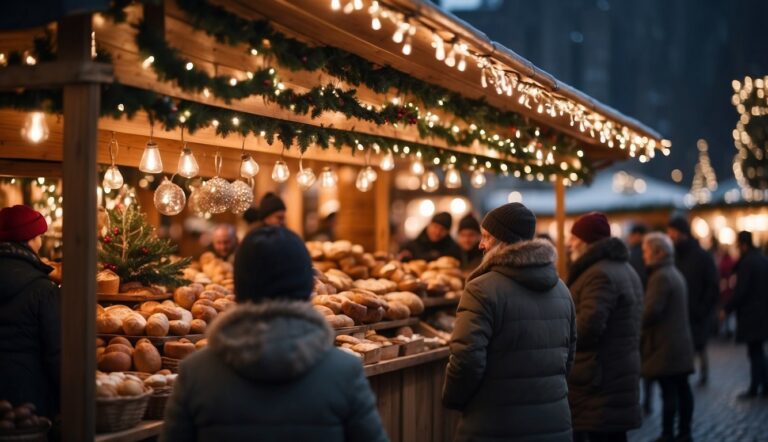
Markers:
(434, 241)
(635, 245)
(750, 302)
(667, 346)
(468, 240)
(604, 383)
(514, 338)
(270, 371)
(30, 314)
(700, 273)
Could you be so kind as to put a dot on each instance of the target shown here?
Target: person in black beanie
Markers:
(270, 370)
(701, 275)
(514, 339)
(272, 210)
(468, 239)
(433, 242)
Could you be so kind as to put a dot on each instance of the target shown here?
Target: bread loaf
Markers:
(367, 299)
(201, 344)
(108, 324)
(354, 310)
(340, 321)
(179, 327)
(222, 304)
(204, 312)
(170, 312)
(185, 296)
(414, 303)
(323, 310)
(119, 348)
(146, 358)
(118, 311)
(207, 302)
(115, 361)
(197, 326)
(178, 350)
(157, 325)
(346, 339)
(210, 295)
(397, 310)
(329, 302)
(107, 282)
(186, 315)
(148, 306)
(120, 340)
(373, 315)
(134, 324)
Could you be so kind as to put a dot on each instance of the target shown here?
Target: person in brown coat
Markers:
(604, 382)
(667, 345)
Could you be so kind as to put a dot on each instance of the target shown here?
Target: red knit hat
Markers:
(591, 227)
(20, 223)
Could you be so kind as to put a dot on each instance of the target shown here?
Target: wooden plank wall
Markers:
(410, 406)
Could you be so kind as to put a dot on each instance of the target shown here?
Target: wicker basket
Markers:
(120, 413)
(156, 405)
(171, 364)
(39, 434)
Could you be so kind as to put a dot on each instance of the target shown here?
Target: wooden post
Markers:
(81, 114)
(382, 192)
(293, 197)
(560, 220)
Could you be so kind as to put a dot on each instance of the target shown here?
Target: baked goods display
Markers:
(107, 282)
(118, 384)
(358, 306)
(20, 419)
(210, 269)
(118, 354)
(375, 347)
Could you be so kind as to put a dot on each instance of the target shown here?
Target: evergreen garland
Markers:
(132, 250)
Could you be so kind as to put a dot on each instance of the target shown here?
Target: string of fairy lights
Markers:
(456, 53)
(750, 165)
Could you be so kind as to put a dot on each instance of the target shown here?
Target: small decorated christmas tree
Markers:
(132, 250)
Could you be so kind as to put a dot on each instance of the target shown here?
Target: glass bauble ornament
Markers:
(452, 177)
(387, 162)
(363, 182)
(328, 178)
(193, 203)
(242, 197)
(169, 198)
(430, 182)
(280, 173)
(216, 195)
(371, 172)
(306, 178)
(113, 179)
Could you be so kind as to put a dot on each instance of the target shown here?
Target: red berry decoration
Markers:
(107, 239)
(144, 251)
(116, 231)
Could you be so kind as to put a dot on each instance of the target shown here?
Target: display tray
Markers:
(127, 297)
(157, 340)
(383, 325)
(439, 302)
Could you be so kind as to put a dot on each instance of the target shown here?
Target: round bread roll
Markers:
(179, 327)
(197, 326)
(346, 339)
(207, 302)
(196, 287)
(414, 303)
(178, 350)
(143, 340)
(340, 321)
(171, 312)
(100, 342)
(134, 324)
(119, 347)
(367, 299)
(204, 312)
(397, 310)
(354, 310)
(120, 340)
(357, 272)
(108, 324)
(323, 310)
(186, 315)
(156, 381)
(157, 325)
(118, 311)
(207, 257)
(210, 295)
(106, 390)
(130, 387)
(218, 288)
(373, 315)
(327, 301)
(146, 358)
(115, 361)
(201, 344)
(222, 304)
(185, 296)
(99, 351)
(148, 306)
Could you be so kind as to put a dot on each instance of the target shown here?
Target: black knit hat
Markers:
(273, 262)
(469, 222)
(680, 224)
(510, 223)
(444, 219)
(251, 215)
(745, 238)
(270, 204)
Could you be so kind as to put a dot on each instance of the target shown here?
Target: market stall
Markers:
(319, 94)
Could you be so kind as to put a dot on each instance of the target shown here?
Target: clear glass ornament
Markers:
(363, 181)
(430, 182)
(242, 197)
(328, 178)
(417, 167)
(280, 173)
(216, 195)
(452, 178)
(249, 168)
(169, 198)
(113, 179)
(387, 162)
(306, 178)
(151, 162)
(35, 129)
(188, 167)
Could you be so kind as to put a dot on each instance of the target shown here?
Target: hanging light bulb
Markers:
(417, 167)
(387, 162)
(462, 63)
(438, 44)
(430, 182)
(249, 168)
(188, 167)
(113, 179)
(35, 128)
(407, 47)
(335, 5)
(371, 172)
(306, 177)
(452, 178)
(450, 60)
(375, 23)
(363, 181)
(150, 159)
(477, 180)
(280, 172)
(328, 178)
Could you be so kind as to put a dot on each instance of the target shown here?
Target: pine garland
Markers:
(132, 250)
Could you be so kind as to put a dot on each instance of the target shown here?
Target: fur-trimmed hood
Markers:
(612, 249)
(529, 263)
(271, 340)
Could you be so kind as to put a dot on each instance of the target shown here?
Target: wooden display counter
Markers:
(408, 392)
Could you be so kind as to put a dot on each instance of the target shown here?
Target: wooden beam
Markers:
(54, 74)
(562, 258)
(31, 169)
(382, 190)
(81, 113)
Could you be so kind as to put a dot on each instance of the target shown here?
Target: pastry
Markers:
(120, 340)
(157, 325)
(178, 349)
(222, 304)
(323, 310)
(148, 306)
(146, 358)
(118, 311)
(185, 296)
(397, 310)
(340, 321)
(333, 303)
(178, 327)
(197, 326)
(365, 347)
(368, 299)
(373, 315)
(156, 381)
(346, 339)
(211, 295)
(134, 324)
(171, 312)
(201, 344)
(354, 310)
(204, 312)
(127, 349)
(130, 387)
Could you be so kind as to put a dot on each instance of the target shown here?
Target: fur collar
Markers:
(612, 249)
(533, 253)
(272, 340)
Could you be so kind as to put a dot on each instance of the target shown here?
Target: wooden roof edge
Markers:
(478, 39)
